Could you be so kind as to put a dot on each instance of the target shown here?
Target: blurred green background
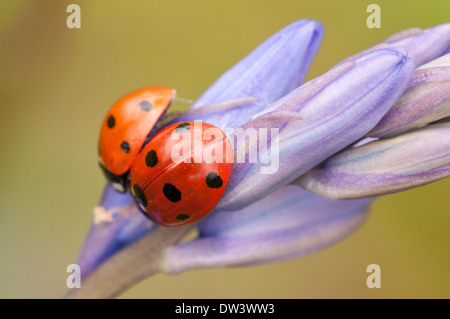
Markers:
(57, 83)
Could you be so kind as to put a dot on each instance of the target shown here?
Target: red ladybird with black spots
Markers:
(126, 128)
(182, 173)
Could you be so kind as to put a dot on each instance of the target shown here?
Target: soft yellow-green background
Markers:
(57, 83)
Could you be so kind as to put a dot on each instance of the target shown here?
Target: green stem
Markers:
(130, 265)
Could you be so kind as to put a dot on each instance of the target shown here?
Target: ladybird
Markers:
(182, 173)
(126, 129)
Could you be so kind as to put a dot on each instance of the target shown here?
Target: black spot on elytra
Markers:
(151, 159)
(171, 192)
(145, 105)
(183, 217)
(139, 195)
(125, 147)
(183, 128)
(111, 121)
(213, 180)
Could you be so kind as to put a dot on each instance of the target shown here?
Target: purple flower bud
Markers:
(336, 109)
(385, 166)
(422, 45)
(426, 100)
(269, 72)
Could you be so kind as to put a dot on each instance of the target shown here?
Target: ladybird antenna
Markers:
(183, 100)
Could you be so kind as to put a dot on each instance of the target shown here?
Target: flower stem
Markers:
(130, 265)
